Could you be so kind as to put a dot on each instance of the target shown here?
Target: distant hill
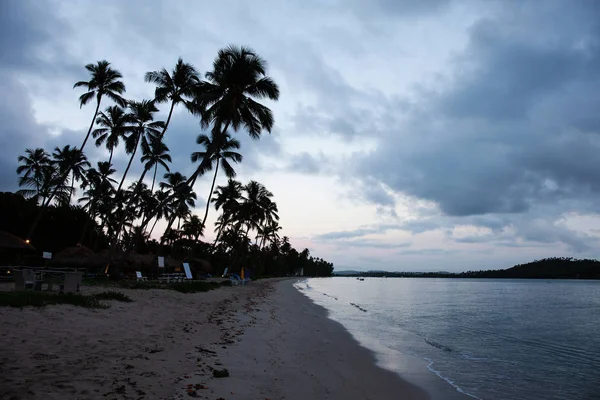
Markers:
(349, 272)
(547, 268)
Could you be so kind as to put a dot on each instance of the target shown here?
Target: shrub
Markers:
(41, 299)
(112, 295)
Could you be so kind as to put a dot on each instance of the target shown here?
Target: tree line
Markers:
(547, 268)
(227, 99)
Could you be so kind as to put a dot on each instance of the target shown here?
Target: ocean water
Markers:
(488, 339)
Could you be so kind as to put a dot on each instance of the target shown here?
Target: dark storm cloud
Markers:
(26, 27)
(498, 140)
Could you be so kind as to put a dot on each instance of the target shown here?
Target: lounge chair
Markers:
(25, 279)
(72, 282)
(188, 272)
(139, 276)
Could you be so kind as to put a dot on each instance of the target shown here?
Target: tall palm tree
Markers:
(34, 162)
(116, 125)
(229, 95)
(103, 81)
(218, 150)
(71, 159)
(177, 87)
(145, 127)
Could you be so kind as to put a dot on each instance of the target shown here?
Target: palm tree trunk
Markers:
(136, 189)
(155, 221)
(137, 142)
(153, 179)
(211, 192)
(191, 181)
(92, 124)
(72, 187)
(110, 157)
(168, 120)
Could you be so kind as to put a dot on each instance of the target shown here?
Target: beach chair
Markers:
(25, 279)
(72, 282)
(188, 272)
(139, 276)
(236, 280)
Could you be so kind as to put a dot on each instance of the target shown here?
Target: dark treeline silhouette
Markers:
(110, 212)
(547, 268)
(59, 228)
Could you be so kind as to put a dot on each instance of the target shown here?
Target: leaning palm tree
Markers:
(145, 127)
(34, 162)
(116, 124)
(71, 159)
(229, 95)
(218, 150)
(104, 81)
(177, 87)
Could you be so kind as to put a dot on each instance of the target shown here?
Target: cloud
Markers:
(483, 145)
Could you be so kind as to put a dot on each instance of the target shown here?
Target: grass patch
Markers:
(193, 287)
(40, 299)
(112, 295)
(131, 284)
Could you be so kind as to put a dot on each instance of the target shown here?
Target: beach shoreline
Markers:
(274, 341)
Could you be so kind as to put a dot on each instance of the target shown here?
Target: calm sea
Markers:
(488, 339)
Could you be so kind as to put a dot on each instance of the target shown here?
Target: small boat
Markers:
(361, 279)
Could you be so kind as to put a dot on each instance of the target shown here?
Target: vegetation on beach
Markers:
(40, 299)
(110, 214)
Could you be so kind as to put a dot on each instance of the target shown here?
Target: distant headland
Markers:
(547, 268)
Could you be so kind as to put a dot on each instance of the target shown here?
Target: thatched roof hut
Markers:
(78, 257)
(13, 249)
(10, 241)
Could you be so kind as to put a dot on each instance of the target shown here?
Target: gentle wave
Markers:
(448, 380)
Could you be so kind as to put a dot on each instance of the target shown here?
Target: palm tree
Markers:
(218, 150)
(177, 87)
(155, 152)
(71, 160)
(182, 194)
(52, 187)
(104, 81)
(162, 208)
(142, 113)
(228, 96)
(228, 198)
(98, 189)
(255, 206)
(34, 162)
(193, 227)
(116, 125)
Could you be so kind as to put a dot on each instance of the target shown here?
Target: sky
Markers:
(409, 135)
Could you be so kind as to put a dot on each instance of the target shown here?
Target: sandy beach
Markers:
(274, 342)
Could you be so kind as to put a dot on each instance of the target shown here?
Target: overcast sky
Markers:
(409, 135)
